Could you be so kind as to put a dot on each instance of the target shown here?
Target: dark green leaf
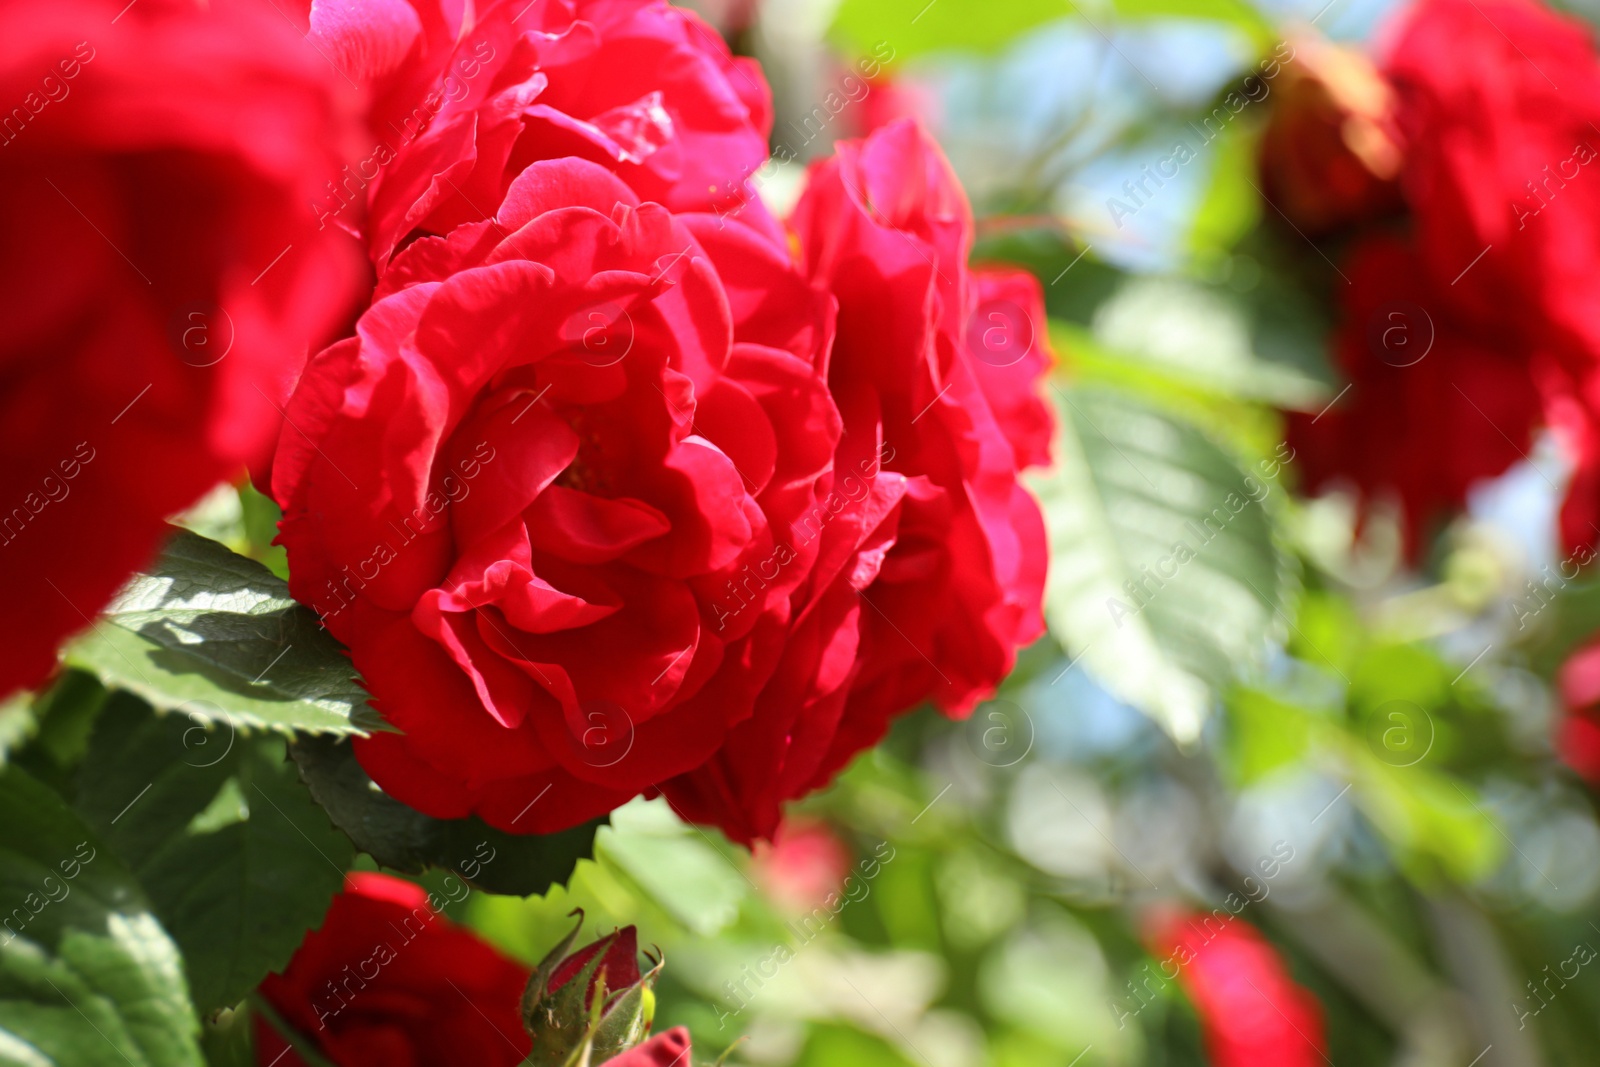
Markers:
(217, 636)
(407, 840)
(228, 844)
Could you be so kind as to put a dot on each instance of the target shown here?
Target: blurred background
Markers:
(1315, 797)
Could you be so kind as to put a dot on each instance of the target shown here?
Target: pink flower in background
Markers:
(1578, 732)
(803, 865)
(1252, 1012)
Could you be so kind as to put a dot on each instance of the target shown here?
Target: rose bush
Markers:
(387, 980)
(164, 278)
(608, 495)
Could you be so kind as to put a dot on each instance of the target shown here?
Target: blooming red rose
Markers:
(643, 88)
(163, 279)
(548, 494)
(1252, 1012)
(1435, 403)
(932, 565)
(388, 982)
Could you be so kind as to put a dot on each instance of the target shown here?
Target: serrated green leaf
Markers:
(236, 893)
(407, 840)
(217, 636)
(88, 978)
(1164, 571)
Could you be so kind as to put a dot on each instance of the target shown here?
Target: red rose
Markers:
(1496, 107)
(640, 87)
(1252, 1012)
(668, 1049)
(1578, 733)
(1499, 103)
(388, 982)
(547, 496)
(1008, 336)
(1435, 403)
(932, 562)
(163, 279)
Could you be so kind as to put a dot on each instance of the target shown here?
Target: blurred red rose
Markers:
(804, 864)
(1499, 104)
(552, 494)
(932, 565)
(1496, 105)
(643, 88)
(1435, 403)
(1252, 1012)
(1329, 154)
(1578, 733)
(388, 982)
(163, 280)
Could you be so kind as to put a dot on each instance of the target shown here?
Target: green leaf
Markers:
(403, 838)
(899, 29)
(217, 636)
(675, 864)
(912, 27)
(1164, 571)
(1230, 207)
(237, 859)
(1207, 338)
(88, 978)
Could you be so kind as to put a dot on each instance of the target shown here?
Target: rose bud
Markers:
(595, 996)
